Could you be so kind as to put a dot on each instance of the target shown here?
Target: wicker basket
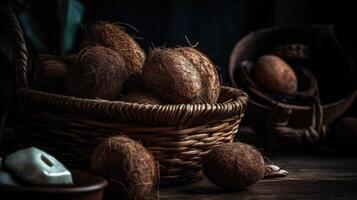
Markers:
(70, 128)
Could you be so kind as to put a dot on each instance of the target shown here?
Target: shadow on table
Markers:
(208, 189)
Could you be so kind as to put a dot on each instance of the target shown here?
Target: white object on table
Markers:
(37, 167)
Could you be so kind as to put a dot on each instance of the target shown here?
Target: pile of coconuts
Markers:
(111, 65)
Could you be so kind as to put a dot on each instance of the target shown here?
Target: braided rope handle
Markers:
(278, 126)
(19, 51)
(20, 59)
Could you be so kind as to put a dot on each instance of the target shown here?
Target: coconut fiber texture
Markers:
(171, 76)
(113, 37)
(141, 97)
(98, 72)
(130, 169)
(207, 70)
(234, 165)
(134, 83)
(50, 73)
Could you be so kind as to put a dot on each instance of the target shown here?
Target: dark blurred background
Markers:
(55, 26)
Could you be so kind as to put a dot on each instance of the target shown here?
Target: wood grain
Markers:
(310, 177)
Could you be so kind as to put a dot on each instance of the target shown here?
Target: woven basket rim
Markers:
(168, 114)
(31, 91)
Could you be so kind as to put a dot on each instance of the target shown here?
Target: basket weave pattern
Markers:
(70, 128)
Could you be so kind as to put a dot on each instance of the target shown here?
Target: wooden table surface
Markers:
(310, 177)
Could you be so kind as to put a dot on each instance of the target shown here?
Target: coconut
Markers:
(207, 70)
(98, 72)
(141, 97)
(234, 165)
(172, 77)
(275, 75)
(136, 92)
(130, 169)
(50, 73)
(113, 37)
(134, 83)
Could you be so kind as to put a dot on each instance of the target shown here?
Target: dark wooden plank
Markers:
(316, 175)
(310, 177)
(290, 189)
(315, 162)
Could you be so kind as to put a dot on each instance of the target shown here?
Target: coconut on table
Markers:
(131, 169)
(234, 166)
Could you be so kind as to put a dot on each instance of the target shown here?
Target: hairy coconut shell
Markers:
(172, 77)
(209, 76)
(130, 169)
(141, 97)
(98, 72)
(134, 83)
(136, 92)
(234, 165)
(275, 75)
(50, 73)
(113, 37)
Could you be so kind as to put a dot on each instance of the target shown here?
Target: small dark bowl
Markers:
(87, 186)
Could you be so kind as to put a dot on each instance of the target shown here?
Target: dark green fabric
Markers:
(65, 16)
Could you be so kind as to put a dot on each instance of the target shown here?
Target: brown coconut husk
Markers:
(130, 169)
(209, 76)
(98, 72)
(134, 83)
(234, 165)
(50, 73)
(172, 77)
(275, 75)
(113, 37)
(141, 97)
(135, 92)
